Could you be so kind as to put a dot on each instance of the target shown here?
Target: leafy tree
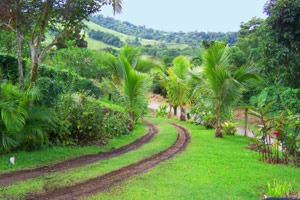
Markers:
(282, 40)
(75, 36)
(218, 81)
(37, 17)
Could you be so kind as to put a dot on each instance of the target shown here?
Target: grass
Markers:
(210, 168)
(49, 155)
(160, 142)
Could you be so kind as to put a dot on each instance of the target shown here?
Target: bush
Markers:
(83, 121)
(54, 82)
(9, 67)
(51, 89)
(229, 128)
(279, 190)
(23, 123)
(161, 111)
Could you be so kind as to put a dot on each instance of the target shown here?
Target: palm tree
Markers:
(139, 63)
(223, 85)
(176, 83)
(132, 55)
(133, 90)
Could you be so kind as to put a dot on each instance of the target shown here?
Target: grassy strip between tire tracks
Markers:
(210, 169)
(161, 141)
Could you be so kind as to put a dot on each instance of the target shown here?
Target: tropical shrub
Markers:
(278, 190)
(24, 123)
(229, 128)
(209, 120)
(82, 121)
(287, 128)
(161, 111)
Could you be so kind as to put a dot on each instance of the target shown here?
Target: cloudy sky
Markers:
(189, 15)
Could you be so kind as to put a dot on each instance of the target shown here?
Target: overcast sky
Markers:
(189, 15)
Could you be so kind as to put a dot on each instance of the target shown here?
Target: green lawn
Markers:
(161, 141)
(210, 168)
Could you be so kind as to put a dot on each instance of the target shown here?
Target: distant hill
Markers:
(186, 38)
(100, 44)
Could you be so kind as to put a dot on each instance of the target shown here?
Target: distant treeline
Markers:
(190, 38)
(107, 38)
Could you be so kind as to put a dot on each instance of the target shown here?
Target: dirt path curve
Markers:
(105, 181)
(21, 175)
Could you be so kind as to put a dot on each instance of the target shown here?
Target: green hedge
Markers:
(54, 82)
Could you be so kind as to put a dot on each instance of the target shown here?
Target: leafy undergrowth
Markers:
(210, 168)
(161, 141)
(49, 155)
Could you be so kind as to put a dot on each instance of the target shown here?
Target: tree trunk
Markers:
(218, 132)
(246, 121)
(34, 72)
(130, 127)
(170, 111)
(20, 65)
(182, 114)
(175, 110)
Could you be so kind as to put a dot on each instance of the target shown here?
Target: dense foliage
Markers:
(9, 67)
(82, 120)
(107, 38)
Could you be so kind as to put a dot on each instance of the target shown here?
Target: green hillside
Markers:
(95, 44)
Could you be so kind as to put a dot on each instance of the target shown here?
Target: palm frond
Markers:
(146, 65)
(117, 6)
(132, 54)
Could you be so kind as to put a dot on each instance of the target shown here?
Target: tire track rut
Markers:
(98, 184)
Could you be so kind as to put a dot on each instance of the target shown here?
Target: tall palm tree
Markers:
(223, 85)
(176, 83)
(133, 90)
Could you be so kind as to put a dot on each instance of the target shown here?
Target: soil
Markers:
(156, 98)
(255, 147)
(105, 181)
(22, 175)
(240, 114)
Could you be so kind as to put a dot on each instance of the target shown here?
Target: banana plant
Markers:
(261, 111)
